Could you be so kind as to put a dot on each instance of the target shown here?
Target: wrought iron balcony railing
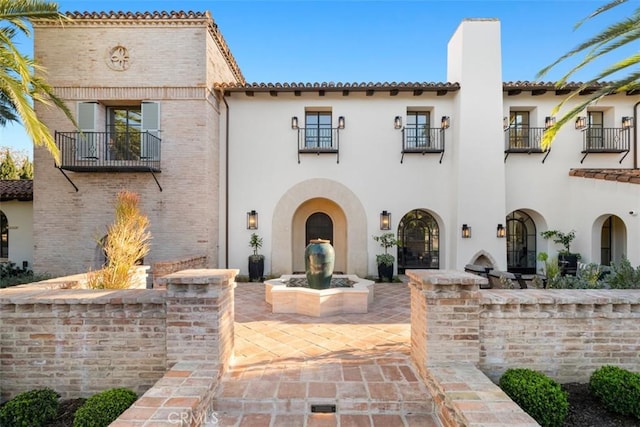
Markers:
(605, 140)
(422, 140)
(319, 141)
(523, 140)
(109, 151)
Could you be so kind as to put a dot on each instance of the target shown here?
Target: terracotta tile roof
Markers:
(340, 86)
(157, 17)
(16, 189)
(631, 176)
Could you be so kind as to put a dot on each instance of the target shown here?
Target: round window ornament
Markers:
(118, 58)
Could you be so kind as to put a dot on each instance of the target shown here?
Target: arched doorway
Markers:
(319, 218)
(419, 237)
(319, 226)
(521, 243)
(613, 238)
(4, 236)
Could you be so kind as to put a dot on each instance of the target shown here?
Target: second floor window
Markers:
(318, 132)
(124, 125)
(594, 131)
(519, 129)
(417, 130)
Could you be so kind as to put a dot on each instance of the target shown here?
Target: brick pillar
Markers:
(200, 316)
(445, 318)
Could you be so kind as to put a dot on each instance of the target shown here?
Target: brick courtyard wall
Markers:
(163, 268)
(80, 341)
(567, 334)
(457, 329)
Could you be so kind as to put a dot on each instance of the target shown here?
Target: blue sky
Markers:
(375, 41)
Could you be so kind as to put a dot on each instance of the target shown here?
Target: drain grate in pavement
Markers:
(324, 409)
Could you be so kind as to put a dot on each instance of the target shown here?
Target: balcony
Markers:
(523, 139)
(606, 140)
(422, 140)
(319, 141)
(109, 151)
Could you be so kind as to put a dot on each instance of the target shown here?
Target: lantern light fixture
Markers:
(252, 220)
(444, 122)
(581, 123)
(385, 220)
(627, 122)
(397, 122)
(466, 231)
(549, 121)
(341, 122)
(501, 231)
(294, 122)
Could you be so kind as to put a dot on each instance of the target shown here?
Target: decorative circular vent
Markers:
(118, 58)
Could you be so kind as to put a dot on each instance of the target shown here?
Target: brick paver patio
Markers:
(285, 363)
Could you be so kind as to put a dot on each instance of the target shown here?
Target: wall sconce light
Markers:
(252, 220)
(397, 122)
(466, 231)
(627, 122)
(385, 220)
(501, 231)
(444, 122)
(581, 123)
(505, 123)
(294, 122)
(549, 121)
(341, 122)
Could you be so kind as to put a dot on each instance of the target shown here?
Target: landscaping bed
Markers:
(587, 411)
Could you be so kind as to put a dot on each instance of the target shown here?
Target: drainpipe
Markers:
(226, 184)
(635, 135)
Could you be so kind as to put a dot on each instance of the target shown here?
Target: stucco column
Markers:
(200, 316)
(445, 317)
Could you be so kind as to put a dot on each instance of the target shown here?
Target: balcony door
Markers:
(519, 129)
(124, 125)
(595, 130)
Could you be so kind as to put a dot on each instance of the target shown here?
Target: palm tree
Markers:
(611, 38)
(21, 81)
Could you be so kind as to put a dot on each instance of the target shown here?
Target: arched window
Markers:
(419, 237)
(319, 226)
(4, 236)
(521, 243)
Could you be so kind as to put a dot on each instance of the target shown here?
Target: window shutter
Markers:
(86, 145)
(151, 124)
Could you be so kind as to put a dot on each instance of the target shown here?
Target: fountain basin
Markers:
(319, 303)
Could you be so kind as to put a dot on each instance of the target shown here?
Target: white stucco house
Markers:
(454, 169)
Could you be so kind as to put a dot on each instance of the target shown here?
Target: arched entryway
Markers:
(521, 243)
(319, 218)
(613, 239)
(288, 226)
(4, 236)
(419, 237)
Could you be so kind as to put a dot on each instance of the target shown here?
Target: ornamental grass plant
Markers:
(126, 244)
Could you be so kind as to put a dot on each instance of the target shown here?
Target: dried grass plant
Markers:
(126, 243)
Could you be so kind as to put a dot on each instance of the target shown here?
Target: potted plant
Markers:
(567, 261)
(256, 260)
(385, 261)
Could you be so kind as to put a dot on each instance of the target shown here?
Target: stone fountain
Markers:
(319, 292)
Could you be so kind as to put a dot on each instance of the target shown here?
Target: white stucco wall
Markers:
(20, 218)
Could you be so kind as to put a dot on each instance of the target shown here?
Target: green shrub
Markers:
(33, 408)
(618, 389)
(537, 395)
(103, 408)
(623, 275)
